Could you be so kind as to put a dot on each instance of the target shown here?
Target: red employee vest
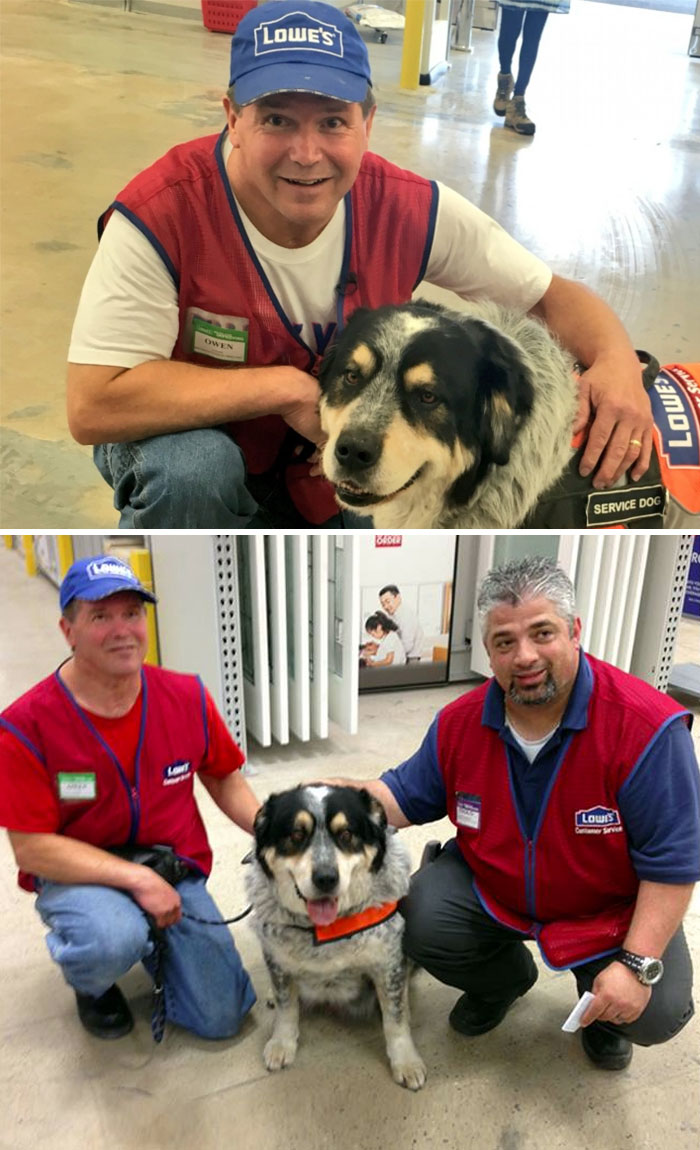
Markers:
(184, 206)
(160, 807)
(572, 887)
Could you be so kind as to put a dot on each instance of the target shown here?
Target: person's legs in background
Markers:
(516, 116)
(509, 30)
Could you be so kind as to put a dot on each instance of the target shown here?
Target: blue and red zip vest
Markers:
(160, 806)
(571, 886)
(184, 205)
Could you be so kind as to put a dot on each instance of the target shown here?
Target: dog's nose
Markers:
(325, 878)
(358, 450)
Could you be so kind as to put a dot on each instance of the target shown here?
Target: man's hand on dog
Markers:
(621, 432)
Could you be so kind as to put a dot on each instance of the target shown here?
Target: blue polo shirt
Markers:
(659, 802)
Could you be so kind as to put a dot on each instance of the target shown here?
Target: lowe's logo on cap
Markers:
(110, 569)
(597, 820)
(287, 33)
(298, 46)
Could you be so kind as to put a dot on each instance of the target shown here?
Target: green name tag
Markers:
(219, 342)
(76, 787)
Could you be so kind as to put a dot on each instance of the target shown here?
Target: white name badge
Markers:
(218, 336)
(468, 811)
(76, 787)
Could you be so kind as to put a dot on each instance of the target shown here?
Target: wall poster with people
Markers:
(406, 587)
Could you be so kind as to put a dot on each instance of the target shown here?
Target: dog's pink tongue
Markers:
(322, 911)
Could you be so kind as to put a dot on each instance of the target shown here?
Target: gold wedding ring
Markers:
(635, 443)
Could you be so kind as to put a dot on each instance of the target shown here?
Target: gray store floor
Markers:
(604, 191)
(525, 1086)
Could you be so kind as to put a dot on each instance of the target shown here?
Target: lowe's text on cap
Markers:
(298, 46)
(97, 578)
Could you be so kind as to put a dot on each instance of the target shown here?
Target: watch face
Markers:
(652, 970)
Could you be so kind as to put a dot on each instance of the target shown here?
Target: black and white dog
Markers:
(324, 887)
(438, 418)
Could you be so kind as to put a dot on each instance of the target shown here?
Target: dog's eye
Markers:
(344, 837)
(298, 836)
(427, 396)
(351, 376)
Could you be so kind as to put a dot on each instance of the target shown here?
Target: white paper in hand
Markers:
(573, 1022)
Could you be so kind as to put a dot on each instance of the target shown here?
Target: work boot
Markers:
(107, 1016)
(517, 118)
(473, 1016)
(504, 91)
(607, 1050)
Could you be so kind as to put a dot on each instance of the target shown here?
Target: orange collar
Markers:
(354, 923)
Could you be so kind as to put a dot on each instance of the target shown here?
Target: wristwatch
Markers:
(649, 971)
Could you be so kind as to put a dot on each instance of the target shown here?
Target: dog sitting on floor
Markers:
(324, 886)
(437, 418)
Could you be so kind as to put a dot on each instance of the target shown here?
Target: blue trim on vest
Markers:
(653, 740)
(204, 715)
(569, 966)
(430, 234)
(251, 250)
(493, 915)
(153, 240)
(96, 734)
(341, 289)
(23, 739)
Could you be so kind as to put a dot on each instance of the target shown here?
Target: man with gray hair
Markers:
(574, 791)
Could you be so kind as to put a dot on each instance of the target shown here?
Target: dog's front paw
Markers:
(279, 1052)
(409, 1072)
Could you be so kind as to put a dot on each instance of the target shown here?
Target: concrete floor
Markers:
(603, 192)
(525, 1085)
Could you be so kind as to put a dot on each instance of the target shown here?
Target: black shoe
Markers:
(107, 1016)
(607, 1050)
(472, 1015)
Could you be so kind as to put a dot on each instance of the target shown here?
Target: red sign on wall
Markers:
(387, 540)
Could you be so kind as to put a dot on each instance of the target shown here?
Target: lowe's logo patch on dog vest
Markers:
(109, 569)
(597, 821)
(285, 35)
(176, 772)
(675, 404)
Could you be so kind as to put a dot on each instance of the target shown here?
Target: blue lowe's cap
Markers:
(99, 577)
(298, 46)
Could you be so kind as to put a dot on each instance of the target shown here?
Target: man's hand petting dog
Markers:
(620, 434)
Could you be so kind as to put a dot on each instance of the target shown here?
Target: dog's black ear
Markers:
(375, 810)
(505, 394)
(327, 364)
(261, 828)
(378, 821)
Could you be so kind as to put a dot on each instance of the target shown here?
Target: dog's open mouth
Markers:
(356, 496)
(322, 911)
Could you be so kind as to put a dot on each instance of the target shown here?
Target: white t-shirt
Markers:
(410, 630)
(128, 310)
(390, 645)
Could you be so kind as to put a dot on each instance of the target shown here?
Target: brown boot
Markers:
(504, 91)
(517, 118)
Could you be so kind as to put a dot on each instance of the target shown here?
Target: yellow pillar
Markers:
(8, 541)
(140, 560)
(29, 556)
(412, 43)
(64, 547)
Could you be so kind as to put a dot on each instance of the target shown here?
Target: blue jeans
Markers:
(187, 479)
(97, 933)
(195, 479)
